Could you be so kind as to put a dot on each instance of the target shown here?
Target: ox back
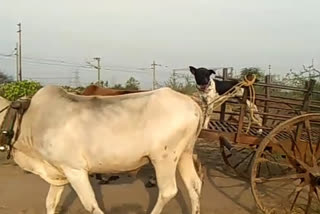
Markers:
(100, 91)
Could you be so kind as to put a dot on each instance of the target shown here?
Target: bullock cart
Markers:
(283, 162)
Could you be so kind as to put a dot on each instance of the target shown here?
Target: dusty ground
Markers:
(222, 193)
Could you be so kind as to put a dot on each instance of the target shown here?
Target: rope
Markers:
(228, 94)
(4, 109)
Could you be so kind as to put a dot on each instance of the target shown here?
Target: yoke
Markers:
(15, 110)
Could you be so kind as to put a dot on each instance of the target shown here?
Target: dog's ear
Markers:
(212, 71)
(192, 70)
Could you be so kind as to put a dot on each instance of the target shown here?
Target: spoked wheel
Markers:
(285, 176)
(238, 158)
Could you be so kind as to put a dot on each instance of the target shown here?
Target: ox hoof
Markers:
(102, 182)
(151, 183)
(114, 178)
(107, 181)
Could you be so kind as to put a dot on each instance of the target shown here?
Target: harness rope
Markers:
(15, 112)
(4, 108)
(228, 94)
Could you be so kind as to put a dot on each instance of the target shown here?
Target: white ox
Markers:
(66, 137)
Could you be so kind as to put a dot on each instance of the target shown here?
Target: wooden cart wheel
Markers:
(238, 158)
(285, 176)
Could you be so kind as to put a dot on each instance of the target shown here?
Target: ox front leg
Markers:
(53, 198)
(206, 122)
(79, 180)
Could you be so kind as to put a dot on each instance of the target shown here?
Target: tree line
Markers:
(183, 83)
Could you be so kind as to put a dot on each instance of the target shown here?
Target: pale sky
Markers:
(130, 34)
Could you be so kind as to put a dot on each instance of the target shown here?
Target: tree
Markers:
(182, 83)
(4, 78)
(252, 70)
(14, 90)
(106, 84)
(117, 86)
(188, 86)
(173, 82)
(300, 77)
(132, 84)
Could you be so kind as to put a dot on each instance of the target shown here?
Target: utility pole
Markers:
(98, 67)
(76, 79)
(20, 54)
(269, 70)
(17, 61)
(154, 74)
(174, 78)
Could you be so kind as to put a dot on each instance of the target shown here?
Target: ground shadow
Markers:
(210, 157)
(72, 196)
(127, 209)
(154, 191)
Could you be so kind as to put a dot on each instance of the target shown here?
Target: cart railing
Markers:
(273, 108)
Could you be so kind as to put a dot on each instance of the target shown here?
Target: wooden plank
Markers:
(280, 97)
(267, 96)
(224, 126)
(223, 106)
(284, 101)
(243, 139)
(214, 135)
(218, 126)
(281, 87)
(242, 114)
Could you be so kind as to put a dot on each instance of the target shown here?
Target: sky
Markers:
(128, 35)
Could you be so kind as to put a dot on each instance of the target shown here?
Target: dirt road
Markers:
(22, 193)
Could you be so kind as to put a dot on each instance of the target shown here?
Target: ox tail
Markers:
(189, 150)
(200, 118)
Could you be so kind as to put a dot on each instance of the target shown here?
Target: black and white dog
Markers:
(210, 89)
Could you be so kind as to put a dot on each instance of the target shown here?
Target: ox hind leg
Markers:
(53, 198)
(166, 180)
(191, 180)
(79, 180)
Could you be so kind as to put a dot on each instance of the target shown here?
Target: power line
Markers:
(69, 64)
(62, 63)
(51, 60)
(49, 78)
(125, 71)
(82, 67)
(57, 64)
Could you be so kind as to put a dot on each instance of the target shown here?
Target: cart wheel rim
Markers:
(312, 173)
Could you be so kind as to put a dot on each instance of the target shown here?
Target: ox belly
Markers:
(105, 151)
(112, 148)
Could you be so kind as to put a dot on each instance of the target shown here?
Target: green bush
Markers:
(77, 90)
(14, 90)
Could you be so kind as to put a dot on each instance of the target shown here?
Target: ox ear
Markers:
(192, 70)
(212, 71)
